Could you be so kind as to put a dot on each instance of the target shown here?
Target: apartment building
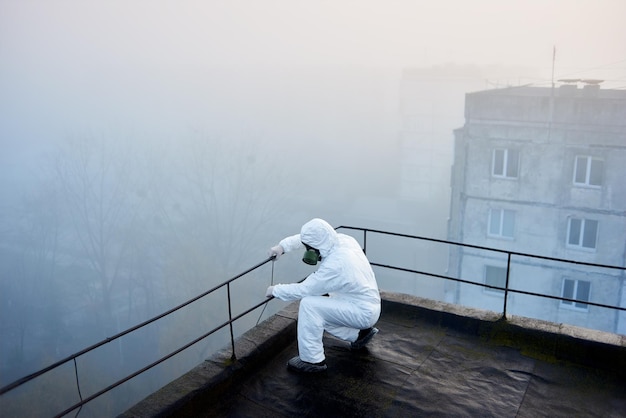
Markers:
(542, 171)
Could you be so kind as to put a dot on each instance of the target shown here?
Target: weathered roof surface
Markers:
(430, 362)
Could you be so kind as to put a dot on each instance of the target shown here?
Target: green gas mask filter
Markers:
(311, 256)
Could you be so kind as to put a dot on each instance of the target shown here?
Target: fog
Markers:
(152, 149)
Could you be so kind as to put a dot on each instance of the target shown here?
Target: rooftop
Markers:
(429, 358)
(580, 90)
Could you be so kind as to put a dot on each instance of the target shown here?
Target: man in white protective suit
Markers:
(341, 297)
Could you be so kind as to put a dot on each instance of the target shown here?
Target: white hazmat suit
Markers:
(345, 274)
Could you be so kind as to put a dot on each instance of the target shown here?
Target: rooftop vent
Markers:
(591, 87)
(568, 89)
(570, 80)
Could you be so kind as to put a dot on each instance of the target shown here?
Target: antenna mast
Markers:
(551, 115)
(553, 59)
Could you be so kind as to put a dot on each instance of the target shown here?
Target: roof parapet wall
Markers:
(204, 385)
(533, 337)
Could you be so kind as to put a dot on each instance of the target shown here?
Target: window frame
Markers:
(589, 159)
(488, 289)
(505, 163)
(575, 295)
(500, 234)
(581, 234)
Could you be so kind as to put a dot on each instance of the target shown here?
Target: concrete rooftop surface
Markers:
(429, 359)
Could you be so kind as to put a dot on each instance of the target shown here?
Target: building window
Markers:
(582, 233)
(588, 171)
(501, 223)
(495, 276)
(576, 289)
(505, 163)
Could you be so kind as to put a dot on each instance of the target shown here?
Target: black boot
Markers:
(365, 335)
(299, 365)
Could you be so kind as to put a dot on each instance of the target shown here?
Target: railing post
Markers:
(233, 357)
(506, 286)
(365, 241)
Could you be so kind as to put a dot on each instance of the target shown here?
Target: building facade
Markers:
(542, 171)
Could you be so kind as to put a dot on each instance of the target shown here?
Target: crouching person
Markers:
(341, 297)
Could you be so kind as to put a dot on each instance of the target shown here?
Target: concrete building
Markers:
(542, 171)
(431, 101)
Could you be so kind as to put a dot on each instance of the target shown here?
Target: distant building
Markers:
(542, 171)
(430, 107)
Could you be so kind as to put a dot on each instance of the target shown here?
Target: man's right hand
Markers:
(276, 252)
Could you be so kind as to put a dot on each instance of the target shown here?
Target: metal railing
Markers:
(231, 319)
(509, 254)
(73, 357)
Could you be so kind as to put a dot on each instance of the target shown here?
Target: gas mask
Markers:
(311, 255)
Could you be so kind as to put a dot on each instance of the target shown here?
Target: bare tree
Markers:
(101, 195)
(219, 206)
(30, 300)
(222, 200)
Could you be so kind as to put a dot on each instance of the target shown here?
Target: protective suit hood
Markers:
(318, 234)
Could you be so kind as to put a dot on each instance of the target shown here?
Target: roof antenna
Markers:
(552, 95)
(553, 60)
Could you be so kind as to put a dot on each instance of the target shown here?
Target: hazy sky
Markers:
(139, 67)
(182, 37)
